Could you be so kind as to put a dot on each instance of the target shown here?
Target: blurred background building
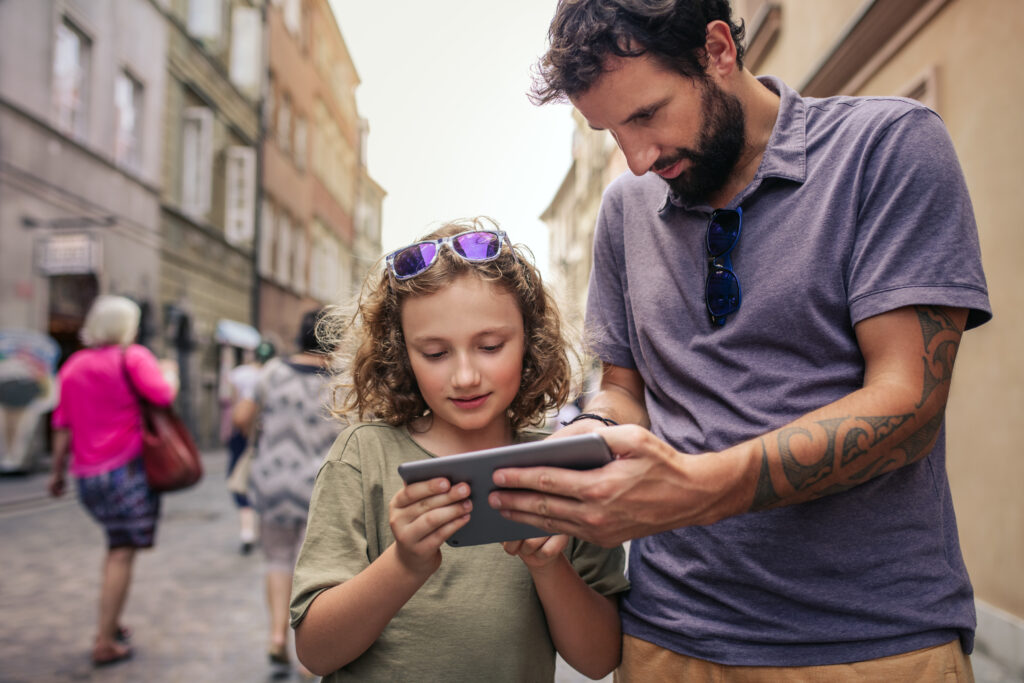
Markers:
(957, 57)
(204, 157)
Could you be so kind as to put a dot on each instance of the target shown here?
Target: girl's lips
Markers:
(471, 402)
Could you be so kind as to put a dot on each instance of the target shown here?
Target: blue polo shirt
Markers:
(859, 207)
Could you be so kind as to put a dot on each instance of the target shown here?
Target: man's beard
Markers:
(722, 139)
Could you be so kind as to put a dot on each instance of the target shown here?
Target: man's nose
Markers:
(640, 155)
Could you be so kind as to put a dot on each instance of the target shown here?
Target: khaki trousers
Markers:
(644, 662)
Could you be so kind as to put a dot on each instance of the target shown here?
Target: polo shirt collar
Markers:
(786, 154)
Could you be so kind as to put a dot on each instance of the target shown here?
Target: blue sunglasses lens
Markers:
(723, 293)
(415, 259)
(723, 232)
(477, 246)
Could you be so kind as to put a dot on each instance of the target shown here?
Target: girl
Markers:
(460, 348)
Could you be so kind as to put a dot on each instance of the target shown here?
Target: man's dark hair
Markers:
(584, 33)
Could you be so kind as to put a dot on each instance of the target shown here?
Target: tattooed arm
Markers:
(891, 421)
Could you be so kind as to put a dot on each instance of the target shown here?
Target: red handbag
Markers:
(169, 454)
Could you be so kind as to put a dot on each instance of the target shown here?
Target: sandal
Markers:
(123, 634)
(112, 655)
(280, 665)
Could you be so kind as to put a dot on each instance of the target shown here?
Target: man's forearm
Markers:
(893, 421)
(621, 397)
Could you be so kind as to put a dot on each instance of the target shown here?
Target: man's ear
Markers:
(720, 49)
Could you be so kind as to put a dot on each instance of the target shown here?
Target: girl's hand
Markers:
(537, 553)
(422, 517)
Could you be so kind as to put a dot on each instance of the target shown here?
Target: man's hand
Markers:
(648, 488)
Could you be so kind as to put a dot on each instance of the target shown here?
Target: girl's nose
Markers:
(465, 372)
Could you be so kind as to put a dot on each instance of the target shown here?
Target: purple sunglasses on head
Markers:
(475, 246)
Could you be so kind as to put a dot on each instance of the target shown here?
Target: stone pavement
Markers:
(196, 606)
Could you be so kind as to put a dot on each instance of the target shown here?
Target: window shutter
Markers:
(300, 248)
(246, 41)
(240, 195)
(197, 160)
(284, 250)
(204, 18)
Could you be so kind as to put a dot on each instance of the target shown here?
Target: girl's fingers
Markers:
(412, 528)
(412, 493)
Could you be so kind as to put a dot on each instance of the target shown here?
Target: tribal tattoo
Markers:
(848, 450)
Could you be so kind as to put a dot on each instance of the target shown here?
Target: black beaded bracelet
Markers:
(591, 416)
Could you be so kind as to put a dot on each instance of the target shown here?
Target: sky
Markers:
(452, 133)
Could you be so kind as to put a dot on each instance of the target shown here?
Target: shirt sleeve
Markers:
(917, 241)
(146, 375)
(59, 420)
(603, 569)
(335, 547)
(607, 324)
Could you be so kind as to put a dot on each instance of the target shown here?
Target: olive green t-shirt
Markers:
(478, 618)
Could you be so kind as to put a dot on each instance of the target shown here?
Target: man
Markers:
(791, 354)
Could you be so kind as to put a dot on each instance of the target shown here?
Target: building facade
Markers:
(208, 196)
(312, 175)
(82, 87)
(81, 102)
(941, 52)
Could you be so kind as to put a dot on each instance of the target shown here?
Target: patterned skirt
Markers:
(120, 500)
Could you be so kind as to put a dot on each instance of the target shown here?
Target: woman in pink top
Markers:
(98, 421)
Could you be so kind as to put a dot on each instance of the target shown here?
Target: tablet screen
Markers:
(486, 525)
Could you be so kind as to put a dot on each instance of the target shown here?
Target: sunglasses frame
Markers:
(450, 241)
(720, 265)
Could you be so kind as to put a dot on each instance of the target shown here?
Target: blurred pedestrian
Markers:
(295, 431)
(243, 379)
(98, 423)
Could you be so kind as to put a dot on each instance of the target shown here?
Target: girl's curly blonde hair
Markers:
(374, 378)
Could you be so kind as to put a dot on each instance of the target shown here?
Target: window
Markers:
(240, 195)
(127, 120)
(283, 260)
(924, 88)
(300, 249)
(205, 18)
(284, 124)
(246, 40)
(300, 143)
(71, 79)
(196, 159)
(323, 265)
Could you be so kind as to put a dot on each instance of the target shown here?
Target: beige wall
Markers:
(974, 50)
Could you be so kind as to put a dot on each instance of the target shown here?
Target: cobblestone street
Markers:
(196, 606)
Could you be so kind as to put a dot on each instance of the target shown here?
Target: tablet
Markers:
(486, 525)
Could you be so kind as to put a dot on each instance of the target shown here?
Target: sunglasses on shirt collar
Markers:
(475, 246)
(722, 293)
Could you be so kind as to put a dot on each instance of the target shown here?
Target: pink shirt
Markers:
(99, 409)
